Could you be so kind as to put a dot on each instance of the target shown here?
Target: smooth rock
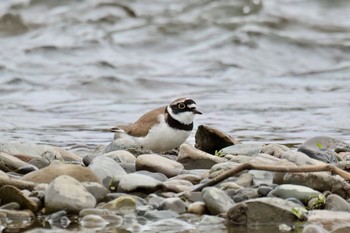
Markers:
(155, 201)
(121, 156)
(193, 158)
(243, 149)
(330, 220)
(123, 205)
(174, 204)
(106, 169)
(31, 149)
(157, 163)
(263, 211)
(122, 141)
(314, 228)
(275, 150)
(320, 181)
(155, 175)
(10, 194)
(194, 179)
(197, 208)
(160, 214)
(245, 180)
(128, 167)
(263, 190)
(48, 174)
(336, 203)
(220, 168)
(244, 194)
(209, 224)
(96, 189)
(178, 185)
(83, 150)
(300, 159)
(210, 140)
(133, 182)
(326, 142)
(170, 225)
(10, 163)
(216, 200)
(67, 193)
(299, 192)
(93, 221)
(323, 154)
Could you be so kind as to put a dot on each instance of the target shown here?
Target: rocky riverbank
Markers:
(118, 187)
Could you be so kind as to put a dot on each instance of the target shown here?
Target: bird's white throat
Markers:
(183, 117)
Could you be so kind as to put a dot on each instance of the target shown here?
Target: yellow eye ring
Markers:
(181, 105)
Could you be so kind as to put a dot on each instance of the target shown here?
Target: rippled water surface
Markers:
(263, 71)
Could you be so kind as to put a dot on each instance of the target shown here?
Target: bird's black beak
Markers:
(195, 111)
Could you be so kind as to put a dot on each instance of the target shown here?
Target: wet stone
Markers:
(216, 200)
(336, 203)
(93, 221)
(302, 193)
(122, 141)
(106, 169)
(210, 140)
(178, 185)
(264, 210)
(123, 205)
(160, 214)
(10, 194)
(67, 193)
(96, 189)
(174, 204)
(263, 191)
(155, 201)
(197, 208)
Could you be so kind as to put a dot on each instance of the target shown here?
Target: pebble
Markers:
(300, 159)
(265, 210)
(275, 150)
(69, 194)
(96, 189)
(48, 174)
(160, 214)
(336, 203)
(157, 163)
(192, 158)
(121, 156)
(122, 205)
(302, 193)
(243, 149)
(93, 221)
(211, 140)
(322, 154)
(133, 182)
(174, 204)
(178, 185)
(106, 169)
(216, 200)
(197, 208)
(10, 194)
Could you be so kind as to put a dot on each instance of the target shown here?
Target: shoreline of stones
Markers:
(116, 187)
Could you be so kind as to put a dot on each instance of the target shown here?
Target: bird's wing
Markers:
(141, 127)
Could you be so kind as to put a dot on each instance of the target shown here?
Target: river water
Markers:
(262, 71)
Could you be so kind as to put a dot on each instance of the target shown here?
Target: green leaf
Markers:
(319, 145)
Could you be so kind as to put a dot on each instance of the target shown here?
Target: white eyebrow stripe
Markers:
(192, 106)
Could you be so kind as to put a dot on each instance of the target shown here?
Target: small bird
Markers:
(164, 128)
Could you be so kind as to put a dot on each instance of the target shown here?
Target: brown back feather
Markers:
(141, 127)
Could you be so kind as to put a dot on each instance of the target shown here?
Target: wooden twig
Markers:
(273, 168)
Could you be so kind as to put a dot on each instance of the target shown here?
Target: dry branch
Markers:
(249, 166)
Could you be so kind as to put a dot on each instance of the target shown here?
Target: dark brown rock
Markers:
(10, 194)
(210, 139)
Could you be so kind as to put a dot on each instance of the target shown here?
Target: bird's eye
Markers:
(181, 106)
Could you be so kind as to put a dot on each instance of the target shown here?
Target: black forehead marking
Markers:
(189, 102)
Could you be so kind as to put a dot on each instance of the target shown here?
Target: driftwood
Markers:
(249, 166)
